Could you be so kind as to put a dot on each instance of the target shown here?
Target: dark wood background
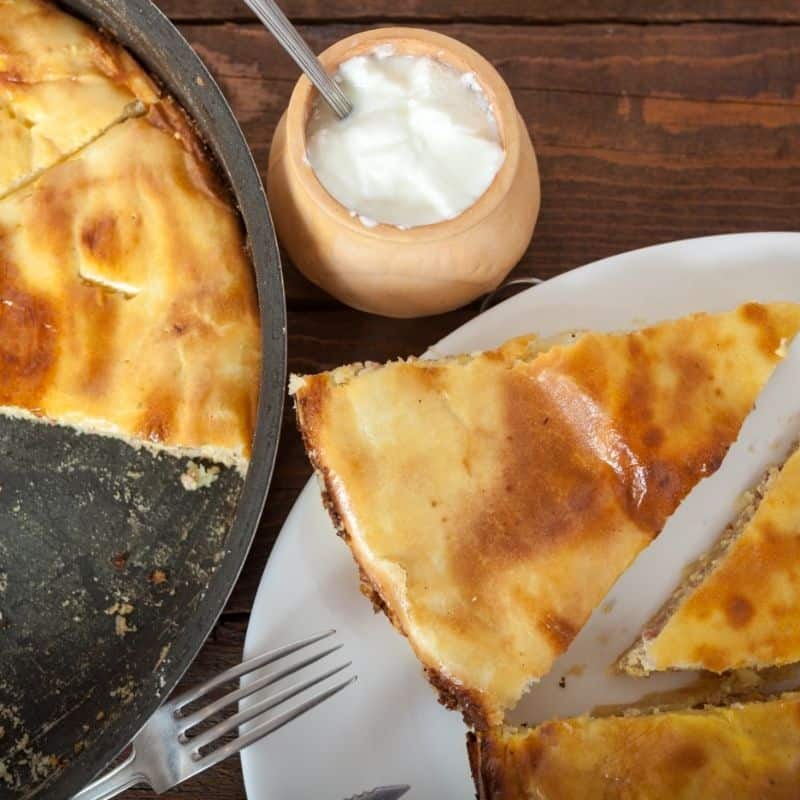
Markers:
(653, 120)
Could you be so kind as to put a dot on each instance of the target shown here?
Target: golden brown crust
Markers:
(743, 608)
(166, 115)
(62, 84)
(450, 694)
(457, 697)
(746, 751)
(492, 501)
(486, 765)
(474, 757)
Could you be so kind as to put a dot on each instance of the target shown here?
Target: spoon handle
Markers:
(283, 30)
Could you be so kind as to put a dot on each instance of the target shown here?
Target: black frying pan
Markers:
(111, 574)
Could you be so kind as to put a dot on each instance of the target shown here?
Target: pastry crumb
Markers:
(157, 577)
(162, 656)
(120, 560)
(121, 610)
(121, 626)
(198, 476)
(125, 692)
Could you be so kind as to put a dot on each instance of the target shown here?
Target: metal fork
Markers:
(163, 753)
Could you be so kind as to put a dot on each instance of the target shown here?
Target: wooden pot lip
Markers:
(411, 41)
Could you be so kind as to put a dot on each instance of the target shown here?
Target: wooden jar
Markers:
(422, 270)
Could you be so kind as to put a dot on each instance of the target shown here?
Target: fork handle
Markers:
(115, 781)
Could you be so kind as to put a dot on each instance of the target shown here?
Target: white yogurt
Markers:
(420, 146)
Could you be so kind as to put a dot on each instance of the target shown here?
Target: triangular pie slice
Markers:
(740, 607)
(492, 501)
(127, 301)
(746, 751)
(61, 85)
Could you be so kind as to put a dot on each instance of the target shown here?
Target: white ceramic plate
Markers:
(388, 727)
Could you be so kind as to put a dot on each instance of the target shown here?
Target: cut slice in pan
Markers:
(492, 501)
(62, 84)
(740, 607)
(747, 751)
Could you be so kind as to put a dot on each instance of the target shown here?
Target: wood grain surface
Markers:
(488, 11)
(652, 122)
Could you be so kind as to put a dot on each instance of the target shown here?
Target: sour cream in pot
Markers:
(420, 146)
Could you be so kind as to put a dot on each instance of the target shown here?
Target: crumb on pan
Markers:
(198, 476)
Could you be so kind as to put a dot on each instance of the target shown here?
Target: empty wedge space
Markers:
(740, 605)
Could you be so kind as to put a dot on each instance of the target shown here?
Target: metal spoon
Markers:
(283, 30)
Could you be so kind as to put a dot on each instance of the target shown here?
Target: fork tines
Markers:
(203, 740)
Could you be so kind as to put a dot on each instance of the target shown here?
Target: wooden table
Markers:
(652, 122)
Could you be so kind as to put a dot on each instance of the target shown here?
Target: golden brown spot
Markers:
(585, 362)
(98, 320)
(533, 507)
(430, 377)
(120, 560)
(712, 658)
(549, 729)
(755, 313)
(767, 558)
(54, 207)
(653, 437)
(693, 373)
(669, 479)
(170, 118)
(559, 631)
(101, 238)
(155, 424)
(533, 753)
(154, 428)
(769, 339)
(687, 758)
(28, 341)
(311, 402)
(640, 391)
(739, 611)
(157, 577)
(691, 369)
(666, 486)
